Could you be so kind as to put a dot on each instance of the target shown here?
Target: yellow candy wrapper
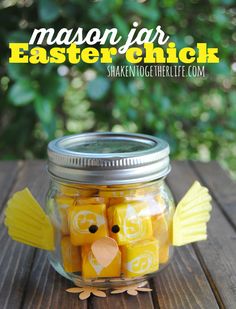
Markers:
(112, 235)
(92, 269)
(160, 227)
(63, 204)
(164, 253)
(129, 222)
(70, 256)
(74, 190)
(87, 223)
(90, 200)
(140, 258)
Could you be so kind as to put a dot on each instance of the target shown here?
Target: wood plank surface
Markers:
(40, 286)
(125, 301)
(199, 276)
(46, 289)
(8, 173)
(221, 186)
(182, 284)
(16, 259)
(217, 254)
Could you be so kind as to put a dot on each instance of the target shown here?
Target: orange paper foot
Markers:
(132, 289)
(86, 292)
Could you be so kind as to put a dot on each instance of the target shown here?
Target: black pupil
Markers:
(115, 228)
(93, 229)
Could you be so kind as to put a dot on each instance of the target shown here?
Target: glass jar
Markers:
(110, 207)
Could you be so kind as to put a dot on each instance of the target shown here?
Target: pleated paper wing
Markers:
(27, 222)
(191, 216)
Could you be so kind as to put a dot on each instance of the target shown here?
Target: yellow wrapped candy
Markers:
(70, 256)
(160, 227)
(64, 202)
(129, 191)
(90, 200)
(115, 193)
(116, 200)
(164, 253)
(161, 231)
(146, 190)
(76, 190)
(120, 200)
(129, 221)
(87, 223)
(92, 269)
(140, 258)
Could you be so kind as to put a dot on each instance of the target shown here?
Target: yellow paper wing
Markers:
(191, 216)
(27, 222)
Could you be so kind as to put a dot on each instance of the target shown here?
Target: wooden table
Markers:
(202, 275)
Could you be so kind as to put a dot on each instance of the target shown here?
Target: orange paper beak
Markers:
(105, 250)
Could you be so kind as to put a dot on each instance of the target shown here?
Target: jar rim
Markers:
(108, 158)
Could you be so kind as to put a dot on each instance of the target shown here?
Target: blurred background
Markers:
(197, 116)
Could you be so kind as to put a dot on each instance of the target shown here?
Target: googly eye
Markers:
(93, 229)
(115, 229)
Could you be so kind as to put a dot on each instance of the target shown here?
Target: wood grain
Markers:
(46, 289)
(125, 301)
(200, 276)
(36, 285)
(222, 187)
(8, 172)
(182, 284)
(217, 254)
(16, 259)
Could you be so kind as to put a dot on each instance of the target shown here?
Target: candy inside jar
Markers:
(110, 217)
(110, 233)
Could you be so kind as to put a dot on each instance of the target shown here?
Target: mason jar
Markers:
(110, 207)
